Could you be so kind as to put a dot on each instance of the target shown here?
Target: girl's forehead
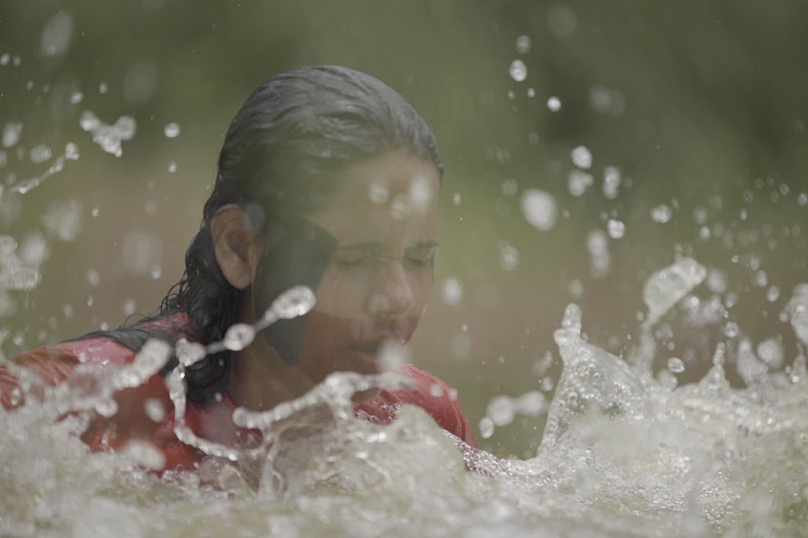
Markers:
(389, 195)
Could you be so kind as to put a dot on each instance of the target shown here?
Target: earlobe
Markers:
(235, 245)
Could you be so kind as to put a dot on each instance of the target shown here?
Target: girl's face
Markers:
(383, 215)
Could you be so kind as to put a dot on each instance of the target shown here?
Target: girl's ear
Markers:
(236, 246)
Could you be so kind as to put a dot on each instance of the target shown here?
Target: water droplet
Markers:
(611, 182)
(661, 214)
(771, 352)
(172, 130)
(189, 353)
(145, 454)
(510, 187)
(103, 88)
(436, 390)
(294, 302)
(452, 291)
(5, 59)
(518, 70)
(172, 167)
(76, 97)
(93, 277)
(378, 192)
(107, 407)
(676, 365)
(11, 134)
(772, 294)
(508, 257)
(486, 427)
(802, 199)
(616, 229)
(576, 288)
(141, 253)
(731, 329)
(668, 286)
(523, 44)
(72, 152)
(39, 153)
(578, 182)
(57, 34)
(540, 209)
(456, 198)
(500, 410)
(62, 219)
(581, 157)
(554, 104)
(238, 336)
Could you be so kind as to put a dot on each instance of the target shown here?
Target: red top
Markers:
(140, 408)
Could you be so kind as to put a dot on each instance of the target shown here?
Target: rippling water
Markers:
(623, 454)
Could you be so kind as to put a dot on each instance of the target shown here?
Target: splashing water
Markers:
(622, 455)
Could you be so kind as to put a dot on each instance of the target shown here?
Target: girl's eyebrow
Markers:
(377, 246)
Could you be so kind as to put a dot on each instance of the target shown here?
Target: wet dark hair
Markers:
(278, 160)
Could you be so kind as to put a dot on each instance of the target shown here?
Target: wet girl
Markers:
(327, 179)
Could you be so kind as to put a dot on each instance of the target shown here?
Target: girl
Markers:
(329, 179)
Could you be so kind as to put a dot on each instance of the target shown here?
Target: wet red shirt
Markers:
(146, 412)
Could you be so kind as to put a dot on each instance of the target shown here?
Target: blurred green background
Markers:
(700, 106)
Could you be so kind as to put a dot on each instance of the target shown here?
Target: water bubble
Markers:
(661, 214)
(5, 59)
(76, 97)
(523, 44)
(436, 390)
(508, 257)
(531, 93)
(486, 427)
(95, 212)
(675, 365)
(172, 130)
(452, 291)
(540, 209)
(578, 182)
(172, 167)
(294, 302)
(802, 199)
(772, 294)
(581, 157)
(103, 88)
(457, 198)
(611, 182)
(62, 219)
(554, 104)
(11, 134)
(616, 229)
(57, 34)
(189, 353)
(238, 336)
(155, 410)
(518, 70)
